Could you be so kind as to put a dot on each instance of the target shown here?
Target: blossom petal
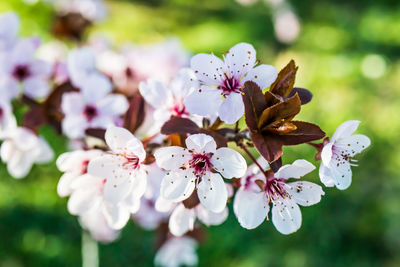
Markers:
(229, 163)
(181, 220)
(353, 144)
(341, 173)
(201, 143)
(262, 75)
(204, 101)
(211, 218)
(208, 68)
(305, 193)
(81, 201)
(240, 59)
(297, 169)
(116, 215)
(286, 216)
(177, 185)
(232, 108)
(20, 164)
(36, 88)
(64, 185)
(74, 126)
(45, 153)
(212, 192)
(120, 140)
(345, 129)
(113, 105)
(154, 92)
(172, 158)
(251, 208)
(116, 191)
(326, 153)
(95, 87)
(72, 103)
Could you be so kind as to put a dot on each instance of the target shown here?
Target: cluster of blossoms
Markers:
(149, 130)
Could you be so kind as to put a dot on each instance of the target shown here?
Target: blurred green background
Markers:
(349, 57)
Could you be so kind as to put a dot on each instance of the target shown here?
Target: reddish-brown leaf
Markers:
(134, 117)
(179, 125)
(283, 85)
(96, 132)
(269, 146)
(305, 132)
(285, 110)
(254, 104)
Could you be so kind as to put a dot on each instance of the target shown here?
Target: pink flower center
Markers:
(129, 73)
(132, 162)
(21, 72)
(84, 166)
(1, 113)
(275, 188)
(230, 85)
(90, 112)
(179, 110)
(201, 163)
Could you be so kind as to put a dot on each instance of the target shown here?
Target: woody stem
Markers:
(243, 147)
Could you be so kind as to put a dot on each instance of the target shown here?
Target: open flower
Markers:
(177, 251)
(258, 191)
(21, 149)
(200, 166)
(23, 71)
(222, 82)
(168, 101)
(125, 177)
(73, 164)
(336, 156)
(93, 107)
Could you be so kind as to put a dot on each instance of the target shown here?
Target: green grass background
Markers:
(356, 227)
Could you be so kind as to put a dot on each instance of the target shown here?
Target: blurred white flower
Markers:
(92, 107)
(92, 10)
(124, 175)
(168, 100)
(286, 26)
(7, 119)
(252, 200)
(19, 69)
(222, 82)
(55, 52)
(9, 27)
(177, 251)
(336, 156)
(21, 149)
(191, 167)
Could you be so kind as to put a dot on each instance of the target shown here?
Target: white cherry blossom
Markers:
(177, 251)
(92, 10)
(21, 149)
(123, 172)
(201, 165)
(92, 107)
(336, 156)
(168, 100)
(258, 191)
(222, 82)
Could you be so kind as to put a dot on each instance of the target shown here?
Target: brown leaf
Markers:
(96, 132)
(285, 110)
(283, 85)
(254, 104)
(34, 118)
(179, 125)
(134, 117)
(268, 146)
(305, 132)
